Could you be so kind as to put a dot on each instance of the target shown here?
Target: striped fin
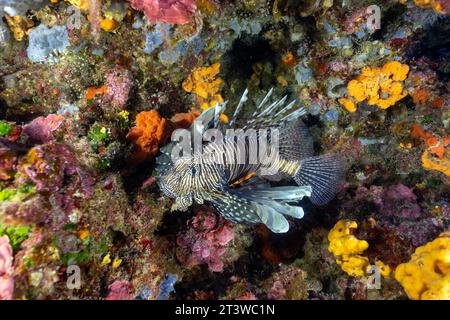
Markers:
(296, 143)
(208, 119)
(323, 174)
(239, 107)
(267, 113)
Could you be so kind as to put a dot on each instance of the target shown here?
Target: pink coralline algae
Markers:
(170, 11)
(399, 200)
(6, 280)
(396, 200)
(120, 290)
(205, 241)
(118, 84)
(47, 165)
(55, 175)
(40, 129)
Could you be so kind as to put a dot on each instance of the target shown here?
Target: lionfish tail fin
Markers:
(324, 174)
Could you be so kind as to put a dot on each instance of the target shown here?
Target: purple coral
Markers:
(6, 280)
(399, 200)
(420, 233)
(394, 201)
(170, 11)
(118, 84)
(205, 241)
(40, 129)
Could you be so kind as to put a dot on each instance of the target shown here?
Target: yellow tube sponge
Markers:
(342, 242)
(427, 275)
(354, 265)
(203, 81)
(347, 248)
(205, 84)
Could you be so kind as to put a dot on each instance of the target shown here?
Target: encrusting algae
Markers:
(427, 275)
(379, 86)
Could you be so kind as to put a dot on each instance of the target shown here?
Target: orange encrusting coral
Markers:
(184, 120)
(420, 95)
(378, 86)
(437, 155)
(153, 131)
(150, 133)
(92, 91)
(289, 60)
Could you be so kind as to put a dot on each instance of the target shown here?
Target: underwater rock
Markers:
(205, 241)
(40, 129)
(400, 201)
(45, 41)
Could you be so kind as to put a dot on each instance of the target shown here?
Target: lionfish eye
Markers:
(193, 171)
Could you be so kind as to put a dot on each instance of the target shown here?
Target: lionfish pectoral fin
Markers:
(274, 177)
(323, 174)
(278, 198)
(238, 209)
(285, 193)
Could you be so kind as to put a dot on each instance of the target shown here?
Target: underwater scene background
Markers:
(91, 90)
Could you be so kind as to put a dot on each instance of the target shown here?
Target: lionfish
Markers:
(241, 191)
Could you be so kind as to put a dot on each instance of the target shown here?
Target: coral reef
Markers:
(205, 241)
(91, 90)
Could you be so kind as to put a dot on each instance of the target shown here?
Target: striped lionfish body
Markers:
(233, 173)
